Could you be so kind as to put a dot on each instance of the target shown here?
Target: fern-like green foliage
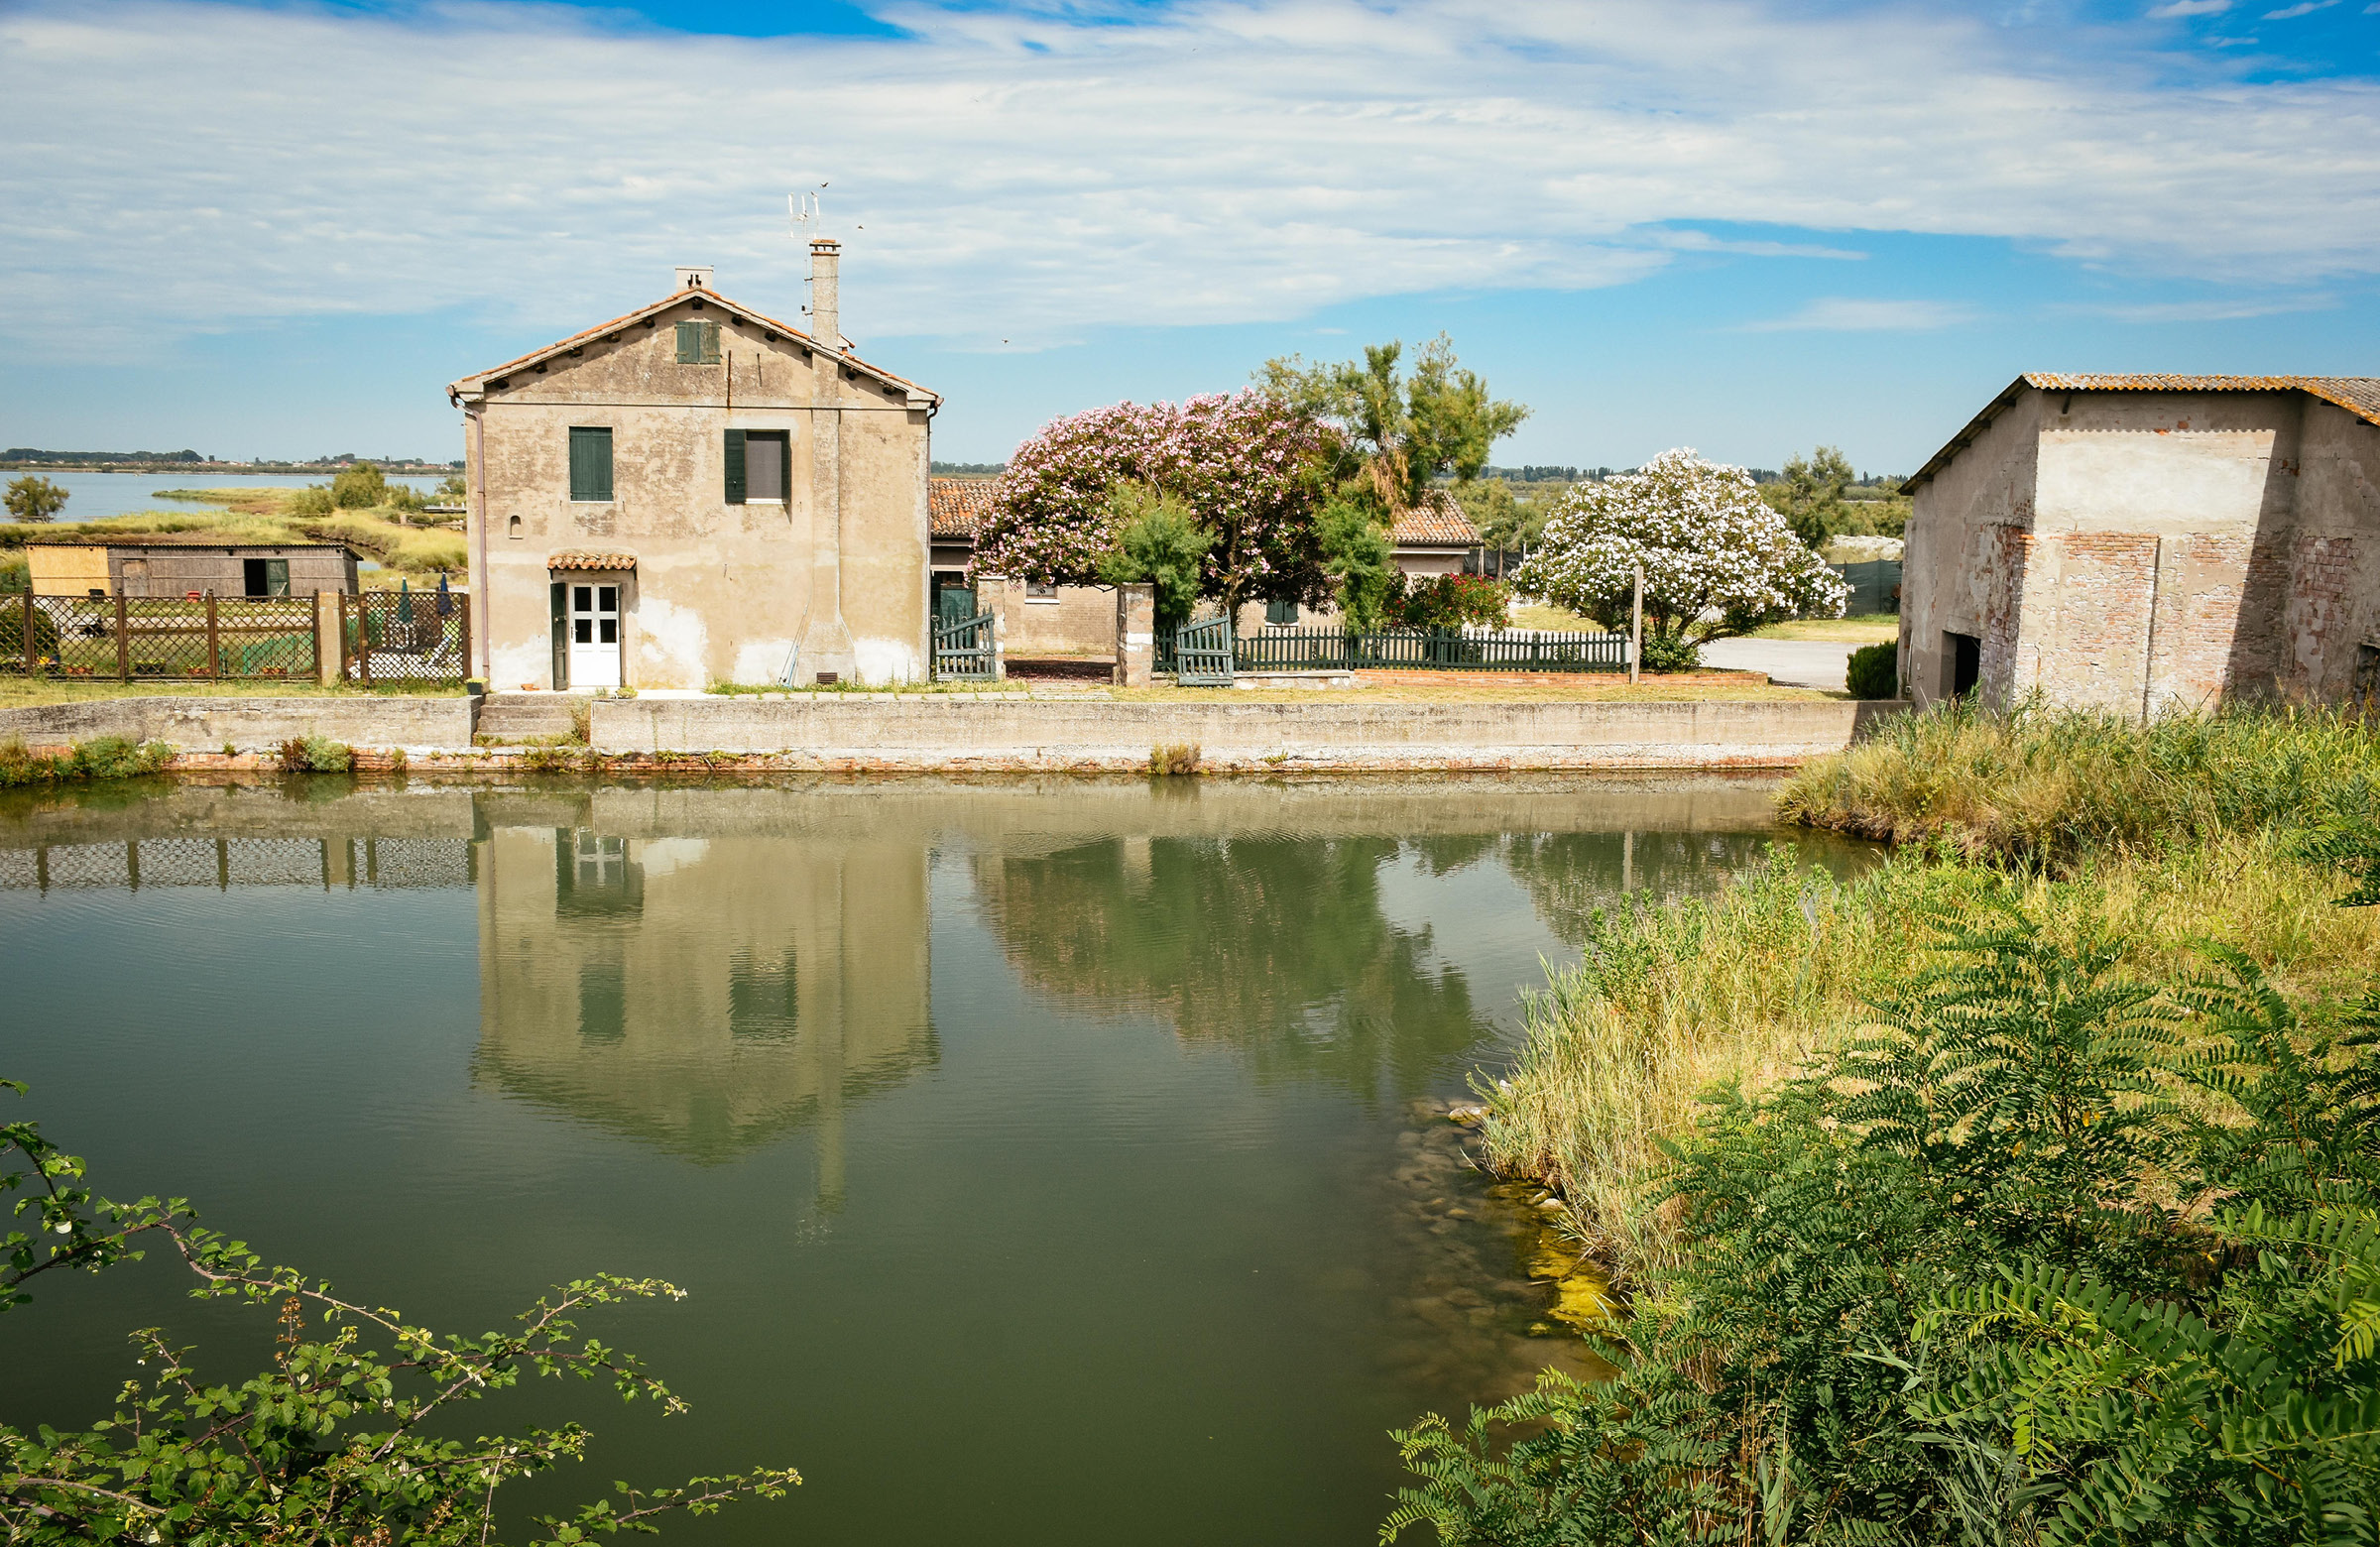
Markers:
(2045, 1253)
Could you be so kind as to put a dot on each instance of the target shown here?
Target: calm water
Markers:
(1047, 1162)
(90, 496)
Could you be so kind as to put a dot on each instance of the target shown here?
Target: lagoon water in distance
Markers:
(1047, 1161)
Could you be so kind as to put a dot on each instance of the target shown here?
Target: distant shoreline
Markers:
(241, 469)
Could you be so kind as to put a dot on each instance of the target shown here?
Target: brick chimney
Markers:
(826, 323)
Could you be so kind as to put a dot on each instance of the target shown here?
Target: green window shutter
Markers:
(590, 463)
(698, 343)
(785, 465)
(277, 577)
(736, 483)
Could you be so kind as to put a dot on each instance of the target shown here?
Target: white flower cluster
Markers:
(1716, 559)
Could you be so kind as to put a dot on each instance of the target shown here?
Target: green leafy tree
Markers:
(1401, 433)
(1505, 520)
(1360, 559)
(35, 498)
(346, 1437)
(362, 487)
(1810, 495)
(1397, 434)
(1158, 542)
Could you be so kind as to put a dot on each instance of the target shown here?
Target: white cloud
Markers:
(2303, 8)
(171, 165)
(1849, 314)
(2227, 311)
(2192, 8)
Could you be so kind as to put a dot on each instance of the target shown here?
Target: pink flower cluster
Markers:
(1246, 463)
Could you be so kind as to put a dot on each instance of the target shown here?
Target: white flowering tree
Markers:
(1718, 561)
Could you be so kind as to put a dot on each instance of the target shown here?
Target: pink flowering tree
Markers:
(1718, 561)
(1246, 464)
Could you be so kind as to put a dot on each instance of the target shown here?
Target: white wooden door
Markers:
(594, 634)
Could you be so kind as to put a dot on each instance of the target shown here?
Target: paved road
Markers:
(1791, 662)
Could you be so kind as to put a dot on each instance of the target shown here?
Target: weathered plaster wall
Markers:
(2333, 556)
(1967, 554)
(1081, 622)
(720, 592)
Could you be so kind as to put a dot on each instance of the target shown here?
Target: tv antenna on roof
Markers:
(803, 207)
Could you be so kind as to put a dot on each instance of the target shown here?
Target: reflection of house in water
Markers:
(702, 994)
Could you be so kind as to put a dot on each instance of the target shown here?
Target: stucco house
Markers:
(2130, 543)
(1434, 537)
(696, 493)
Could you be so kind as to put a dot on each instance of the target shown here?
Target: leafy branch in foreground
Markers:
(330, 1444)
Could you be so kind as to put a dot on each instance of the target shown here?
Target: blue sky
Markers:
(279, 229)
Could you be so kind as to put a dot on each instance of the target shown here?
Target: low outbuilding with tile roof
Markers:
(696, 493)
(2142, 543)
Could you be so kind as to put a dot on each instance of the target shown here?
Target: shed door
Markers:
(594, 633)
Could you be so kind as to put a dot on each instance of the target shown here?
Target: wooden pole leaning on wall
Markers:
(215, 656)
(1636, 628)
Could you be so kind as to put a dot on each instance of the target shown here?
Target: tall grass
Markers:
(1673, 1001)
(2055, 785)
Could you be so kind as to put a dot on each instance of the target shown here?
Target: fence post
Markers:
(28, 652)
(214, 658)
(363, 635)
(123, 639)
(1135, 634)
(326, 629)
(1637, 626)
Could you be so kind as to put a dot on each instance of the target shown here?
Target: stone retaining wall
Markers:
(955, 731)
(248, 724)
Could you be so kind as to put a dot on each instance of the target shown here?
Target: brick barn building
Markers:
(2133, 543)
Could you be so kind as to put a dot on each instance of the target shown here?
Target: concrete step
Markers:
(519, 717)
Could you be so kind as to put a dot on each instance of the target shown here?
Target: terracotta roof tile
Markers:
(955, 508)
(2358, 395)
(1437, 522)
(590, 558)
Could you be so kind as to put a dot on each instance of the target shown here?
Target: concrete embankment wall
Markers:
(960, 733)
(250, 724)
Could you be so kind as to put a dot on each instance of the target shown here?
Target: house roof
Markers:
(2358, 395)
(956, 509)
(480, 380)
(188, 540)
(1437, 522)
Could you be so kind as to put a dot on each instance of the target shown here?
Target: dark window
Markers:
(768, 464)
(590, 462)
(2367, 672)
(760, 997)
(267, 576)
(1281, 615)
(602, 1002)
(1040, 591)
(1965, 655)
(698, 343)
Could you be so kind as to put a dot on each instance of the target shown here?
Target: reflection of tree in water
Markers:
(1571, 876)
(1275, 945)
